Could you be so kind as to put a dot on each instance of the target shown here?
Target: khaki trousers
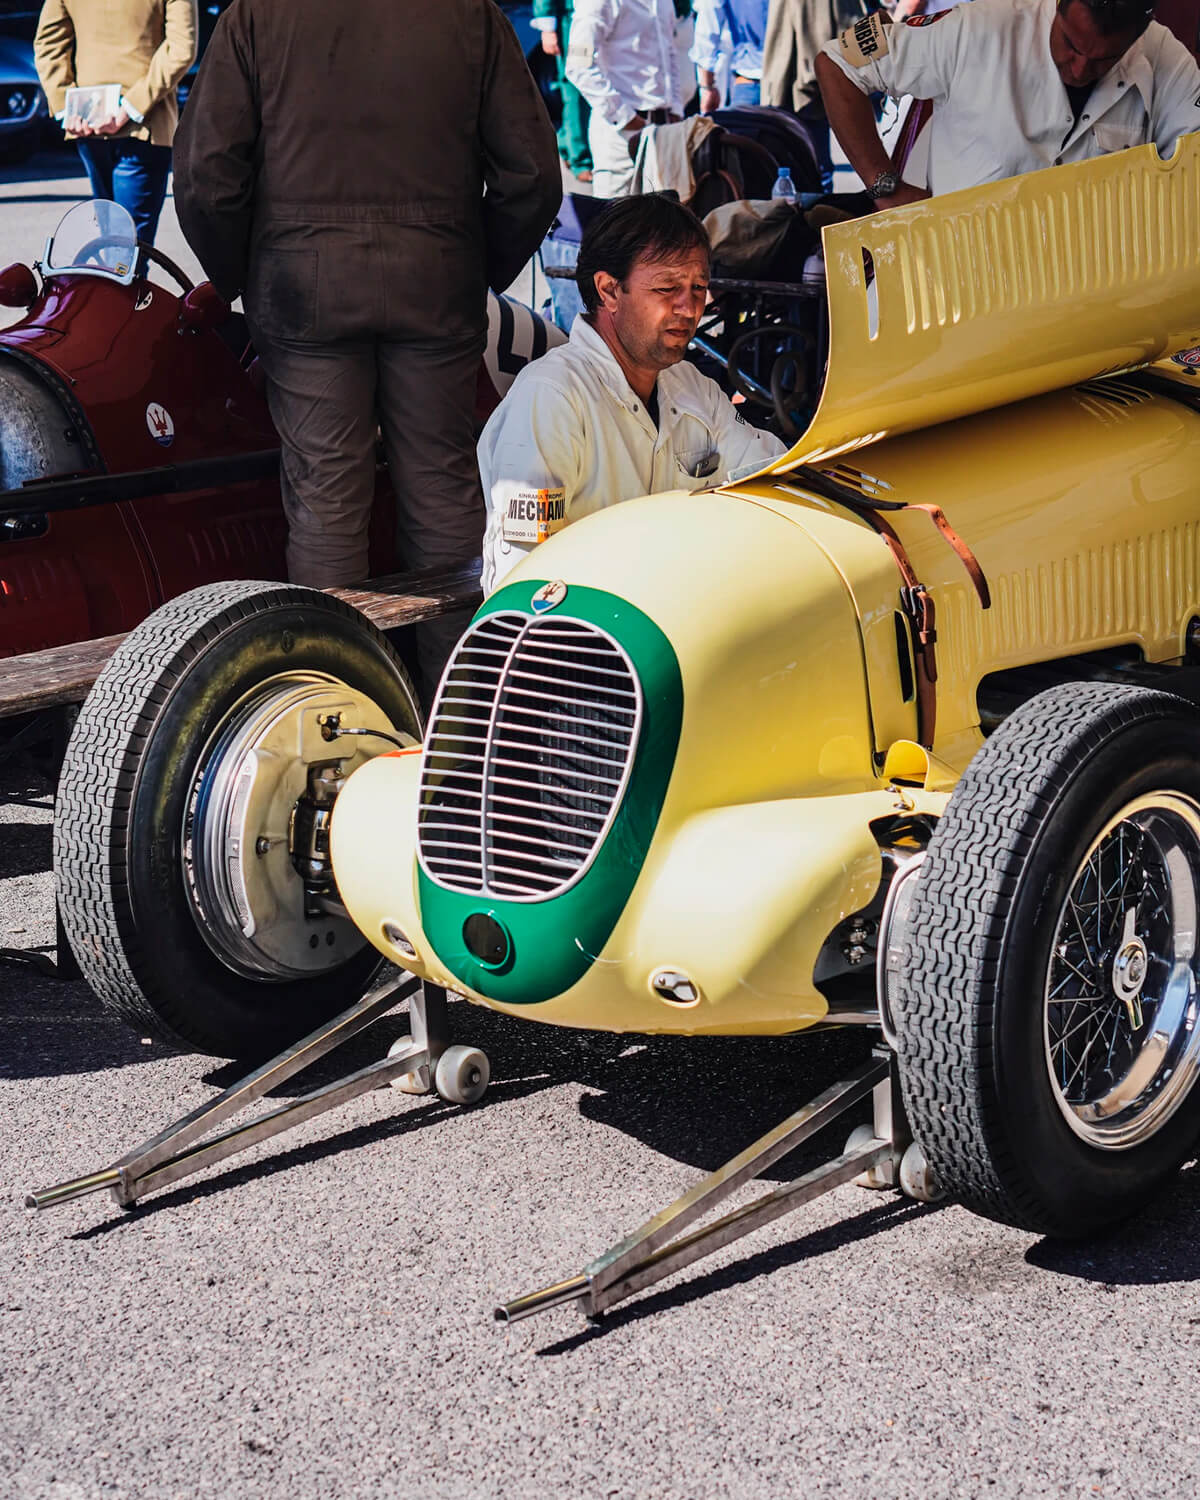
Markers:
(326, 400)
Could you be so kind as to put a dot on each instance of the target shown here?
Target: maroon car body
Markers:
(137, 455)
(111, 390)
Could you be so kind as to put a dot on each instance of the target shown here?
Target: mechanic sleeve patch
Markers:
(529, 515)
(866, 41)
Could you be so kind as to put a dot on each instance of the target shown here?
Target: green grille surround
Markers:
(554, 941)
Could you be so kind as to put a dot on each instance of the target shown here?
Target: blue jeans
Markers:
(131, 173)
(743, 93)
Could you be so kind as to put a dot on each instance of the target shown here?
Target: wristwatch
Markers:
(884, 185)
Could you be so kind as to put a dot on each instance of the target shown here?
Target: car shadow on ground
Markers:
(697, 1100)
(1155, 1247)
(27, 850)
(879, 1219)
(52, 1028)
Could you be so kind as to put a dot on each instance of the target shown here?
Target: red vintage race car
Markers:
(137, 454)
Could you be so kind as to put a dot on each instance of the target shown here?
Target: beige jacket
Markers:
(144, 45)
(796, 31)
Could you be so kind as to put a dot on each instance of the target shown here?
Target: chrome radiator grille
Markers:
(528, 752)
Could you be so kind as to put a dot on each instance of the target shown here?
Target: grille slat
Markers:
(529, 749)
(591, 776)
(557, 750)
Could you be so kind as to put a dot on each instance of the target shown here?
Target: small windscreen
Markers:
(97, 237)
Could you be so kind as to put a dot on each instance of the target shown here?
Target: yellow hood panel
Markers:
(997, 293)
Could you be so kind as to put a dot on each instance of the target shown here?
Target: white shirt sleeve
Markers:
(531, 447)
(1176, 95)
(590, 27)
(706, 45)
(921, 60)
(739, 442)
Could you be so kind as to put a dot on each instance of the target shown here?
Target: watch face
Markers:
(884, 185)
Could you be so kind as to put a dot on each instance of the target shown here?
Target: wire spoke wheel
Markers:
(1122, 1043)
(1046, 1009)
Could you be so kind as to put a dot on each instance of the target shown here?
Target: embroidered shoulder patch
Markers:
(530, 515)
(866, 41)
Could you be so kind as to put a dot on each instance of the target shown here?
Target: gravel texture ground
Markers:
(314, 1319)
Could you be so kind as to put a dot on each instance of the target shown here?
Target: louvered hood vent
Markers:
(528, 754)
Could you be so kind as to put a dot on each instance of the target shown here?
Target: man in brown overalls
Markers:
(361, 174)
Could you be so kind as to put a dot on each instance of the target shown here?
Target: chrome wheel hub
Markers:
(240, 868)
(1122, 1039)
(1129, 970)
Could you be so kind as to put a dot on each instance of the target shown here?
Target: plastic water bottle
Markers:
(784, 186)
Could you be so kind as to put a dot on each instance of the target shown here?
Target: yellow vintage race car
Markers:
(899, 733)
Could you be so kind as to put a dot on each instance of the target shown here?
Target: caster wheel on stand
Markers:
(916, 1177)
(409, 1083)
(461, 1075)
(879, 1178)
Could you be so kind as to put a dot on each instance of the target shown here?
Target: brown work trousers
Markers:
(326, 399)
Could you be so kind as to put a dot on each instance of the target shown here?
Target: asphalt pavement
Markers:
(314, 1319)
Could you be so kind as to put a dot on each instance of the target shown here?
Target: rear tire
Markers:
(1046, 1018)
(126, 841)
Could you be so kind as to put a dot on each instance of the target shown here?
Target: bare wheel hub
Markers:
(245, 871)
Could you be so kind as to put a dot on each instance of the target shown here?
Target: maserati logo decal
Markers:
(160, 423)
(549, 595)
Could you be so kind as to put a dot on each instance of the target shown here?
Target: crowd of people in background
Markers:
(618, 65)
(363, 238)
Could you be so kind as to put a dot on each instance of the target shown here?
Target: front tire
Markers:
(175, 853)
(1047, 1019)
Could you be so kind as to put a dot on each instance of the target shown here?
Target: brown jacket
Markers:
(366, 168)
(144, 45)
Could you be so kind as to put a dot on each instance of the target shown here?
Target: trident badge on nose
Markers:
(548, 596)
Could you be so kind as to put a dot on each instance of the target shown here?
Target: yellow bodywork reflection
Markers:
(990, 295)
(1078, 497)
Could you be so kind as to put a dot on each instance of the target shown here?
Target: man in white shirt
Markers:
(622, 59)
(1016, 85)
(615, 412)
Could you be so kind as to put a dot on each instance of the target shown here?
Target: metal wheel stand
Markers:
(181, 1149)
(660, 1247)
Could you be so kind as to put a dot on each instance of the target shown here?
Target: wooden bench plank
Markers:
(65, 674)
(48, 679)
